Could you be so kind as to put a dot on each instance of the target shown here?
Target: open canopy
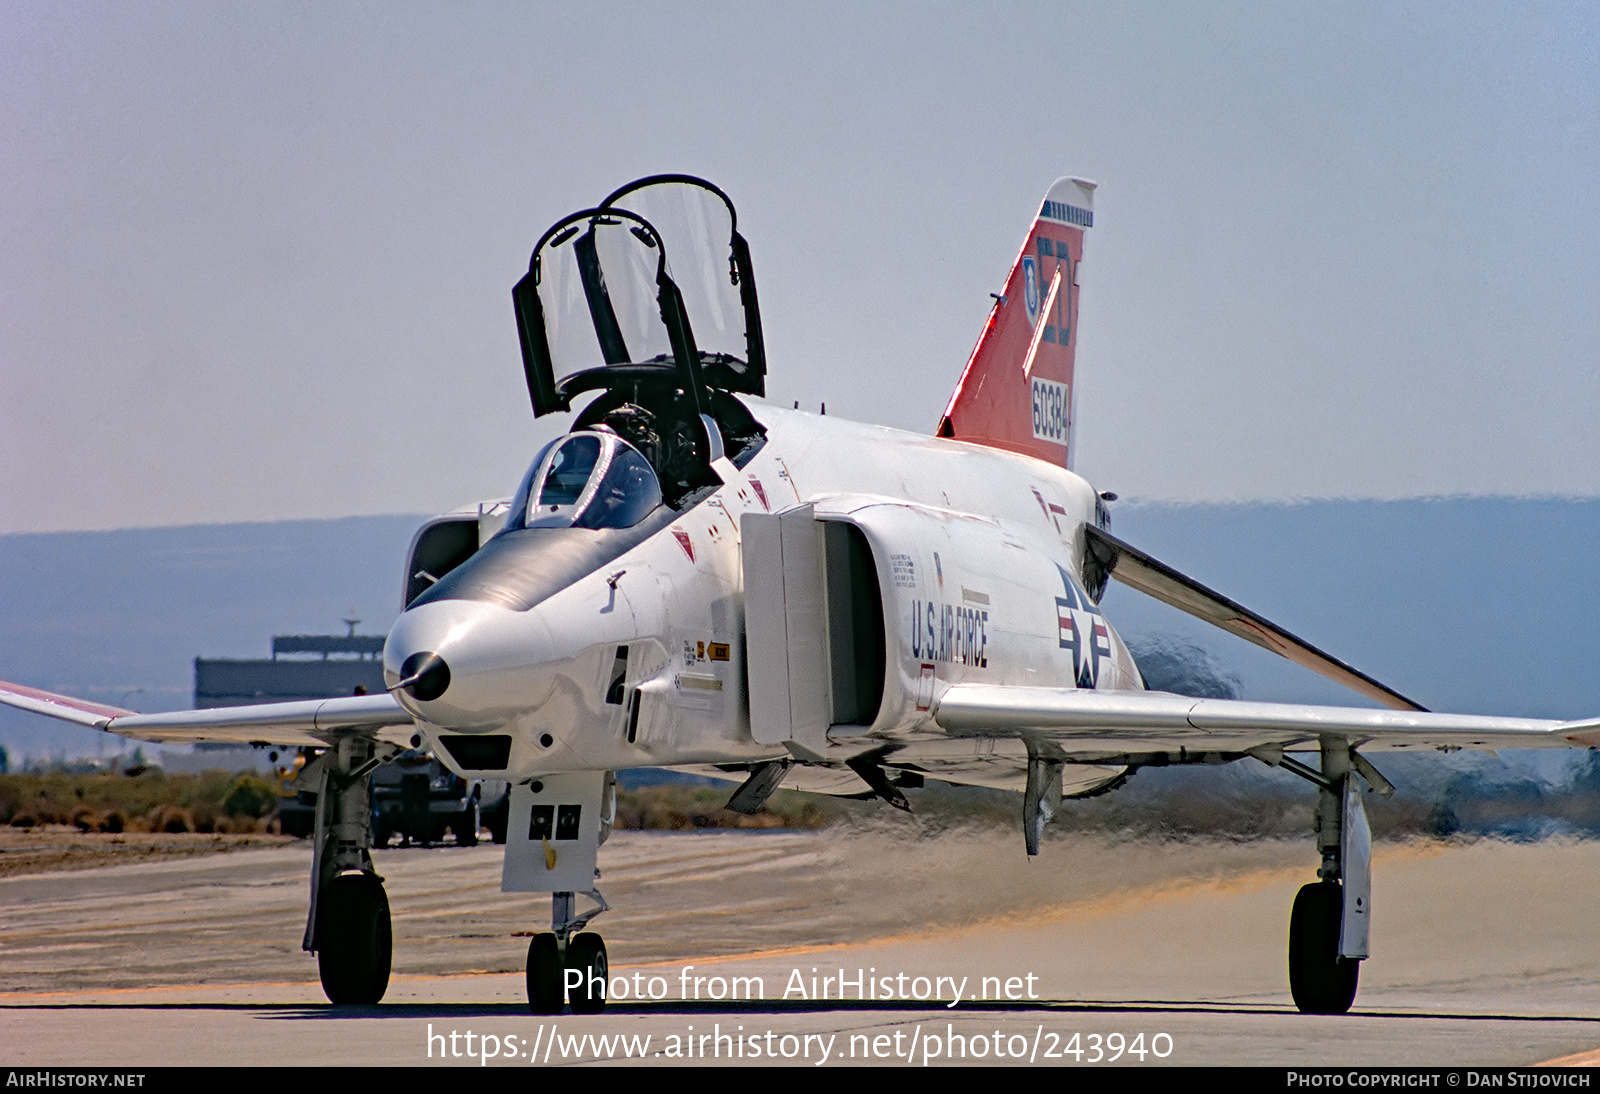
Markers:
(655, 283)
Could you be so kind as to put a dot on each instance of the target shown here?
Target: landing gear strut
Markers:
(348, 925)
(1328, 925)
(555, 825)
(564, 965)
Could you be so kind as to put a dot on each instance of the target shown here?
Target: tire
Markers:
(299, 823)
(466, 827)
(498, 818)
(546, 993)
(354, 941)
(587, 954)
(1320, 980)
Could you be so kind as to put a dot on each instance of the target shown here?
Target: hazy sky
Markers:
(255, 259)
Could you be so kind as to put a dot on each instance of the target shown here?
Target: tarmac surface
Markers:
(1097, 952)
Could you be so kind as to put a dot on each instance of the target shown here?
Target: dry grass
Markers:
(49, 848)
(1228, 803)
(677, 808)
(152, 801)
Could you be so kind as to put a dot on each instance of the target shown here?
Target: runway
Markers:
(1483, 954)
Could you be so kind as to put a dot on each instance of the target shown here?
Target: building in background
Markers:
(414, 797)
(302, 666)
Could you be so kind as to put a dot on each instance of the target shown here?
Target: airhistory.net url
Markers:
(913, 1045)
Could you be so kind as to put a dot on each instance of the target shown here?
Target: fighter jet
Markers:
(693, 578)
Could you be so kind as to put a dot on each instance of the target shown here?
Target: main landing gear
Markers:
(348, 925)
(563, 965)
(354, 943)
(1320, 980)
(1328, 926)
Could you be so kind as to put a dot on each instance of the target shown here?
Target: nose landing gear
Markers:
(563, 966)
(555, 825)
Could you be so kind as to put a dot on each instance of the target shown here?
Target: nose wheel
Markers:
(586, 957)
(546, 980)
(566, 967)
(579, 976)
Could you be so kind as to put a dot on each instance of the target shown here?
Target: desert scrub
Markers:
(675, 807)
(250, 796)
(152, 800)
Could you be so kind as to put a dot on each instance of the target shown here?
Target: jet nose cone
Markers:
(468, 666)
(425, 675)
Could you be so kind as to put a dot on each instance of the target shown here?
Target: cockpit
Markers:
(649, 300)
(588, 479)
(662, 349)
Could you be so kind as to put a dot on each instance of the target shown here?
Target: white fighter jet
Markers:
(693, 578)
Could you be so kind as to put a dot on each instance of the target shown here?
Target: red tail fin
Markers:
(1017, 391)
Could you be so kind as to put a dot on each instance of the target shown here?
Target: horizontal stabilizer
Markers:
(314, 722)
(1152, 577)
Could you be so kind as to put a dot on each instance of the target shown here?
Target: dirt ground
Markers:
(53, 847)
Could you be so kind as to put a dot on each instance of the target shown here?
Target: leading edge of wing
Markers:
(1155, 578)
(307, 722)
(1155, 721)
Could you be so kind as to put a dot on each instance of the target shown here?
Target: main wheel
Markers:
(546, 993)
(587, 954)
(1320, 980)
(354, 943)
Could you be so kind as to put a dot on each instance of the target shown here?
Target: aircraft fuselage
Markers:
(976, 555)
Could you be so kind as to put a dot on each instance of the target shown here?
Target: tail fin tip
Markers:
(1017, 390)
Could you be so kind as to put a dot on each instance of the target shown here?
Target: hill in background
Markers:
(119, 617)
(1484, 605)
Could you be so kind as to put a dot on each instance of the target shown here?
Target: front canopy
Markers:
(586, 480)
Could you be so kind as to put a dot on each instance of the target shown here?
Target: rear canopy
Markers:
(655, 283)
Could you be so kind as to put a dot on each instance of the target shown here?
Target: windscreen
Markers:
(586, 480)
(567, 476)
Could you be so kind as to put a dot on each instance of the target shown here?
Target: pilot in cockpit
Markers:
(591, 479)
(671, 443)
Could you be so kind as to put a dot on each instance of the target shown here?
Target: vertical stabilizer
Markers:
(1018, 389)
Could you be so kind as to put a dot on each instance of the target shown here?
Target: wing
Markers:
(1155, 578)
(1120, 726)
(315, 722)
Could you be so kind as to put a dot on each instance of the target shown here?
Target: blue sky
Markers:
(258, 256)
